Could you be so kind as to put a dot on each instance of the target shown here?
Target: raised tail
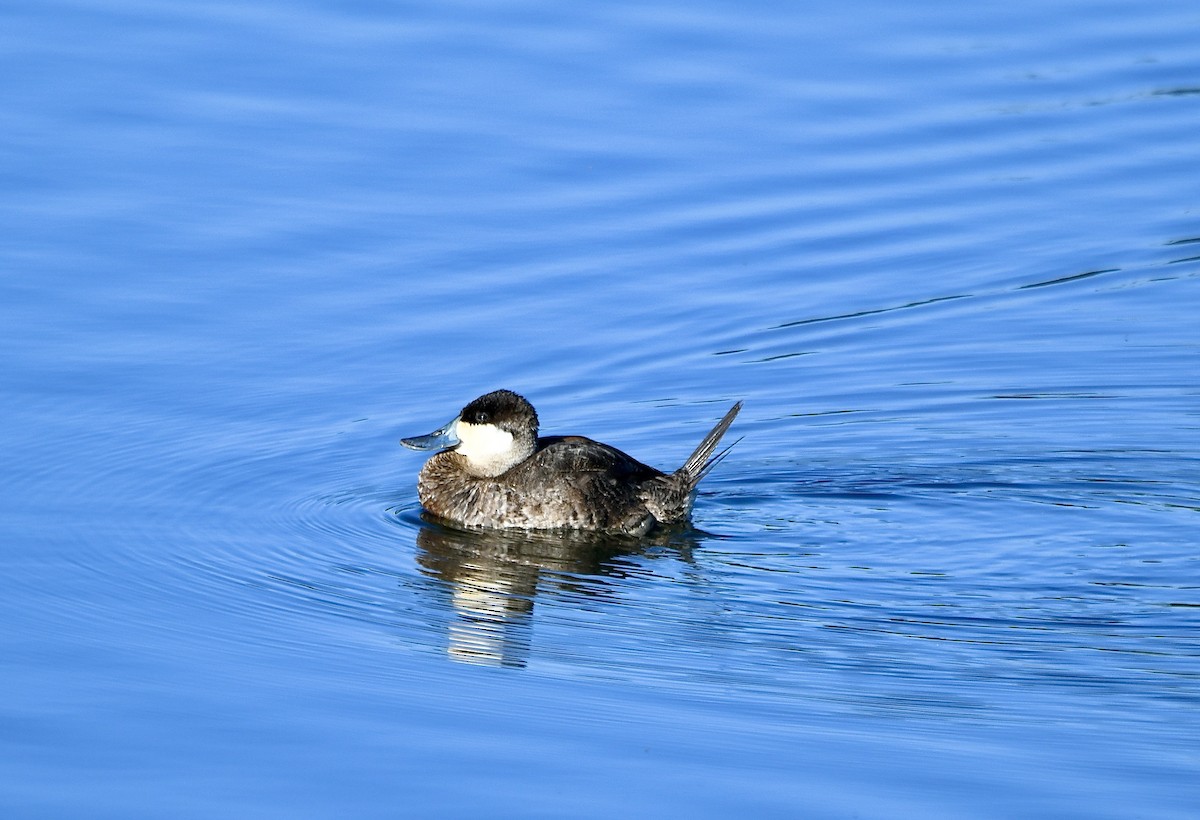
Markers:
(702, 459)
(668, 498)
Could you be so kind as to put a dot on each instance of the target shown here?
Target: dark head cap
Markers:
(505, 409)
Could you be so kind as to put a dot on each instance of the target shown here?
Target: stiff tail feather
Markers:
(702, 459)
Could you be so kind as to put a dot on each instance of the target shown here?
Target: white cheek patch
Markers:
(483, 444)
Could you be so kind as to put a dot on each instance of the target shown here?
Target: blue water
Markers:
(948, 254)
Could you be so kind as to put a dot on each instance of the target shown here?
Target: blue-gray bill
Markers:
(440, 439)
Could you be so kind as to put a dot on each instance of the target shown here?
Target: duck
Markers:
(494, 471)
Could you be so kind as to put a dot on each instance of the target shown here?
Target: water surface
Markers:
(949, 257)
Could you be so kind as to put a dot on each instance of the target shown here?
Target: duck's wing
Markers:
(568, 455)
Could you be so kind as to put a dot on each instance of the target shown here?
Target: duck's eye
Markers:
(482, 417)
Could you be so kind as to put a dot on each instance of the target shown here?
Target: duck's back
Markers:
(566, 458)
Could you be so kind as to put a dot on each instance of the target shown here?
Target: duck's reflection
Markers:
(493, 577)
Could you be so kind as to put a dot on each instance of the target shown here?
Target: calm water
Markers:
(949, 256)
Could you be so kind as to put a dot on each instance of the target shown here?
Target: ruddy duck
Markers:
(495, 472)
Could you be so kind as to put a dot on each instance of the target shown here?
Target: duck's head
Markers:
(493, 433)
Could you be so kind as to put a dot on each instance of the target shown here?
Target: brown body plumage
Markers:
(500, 474)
